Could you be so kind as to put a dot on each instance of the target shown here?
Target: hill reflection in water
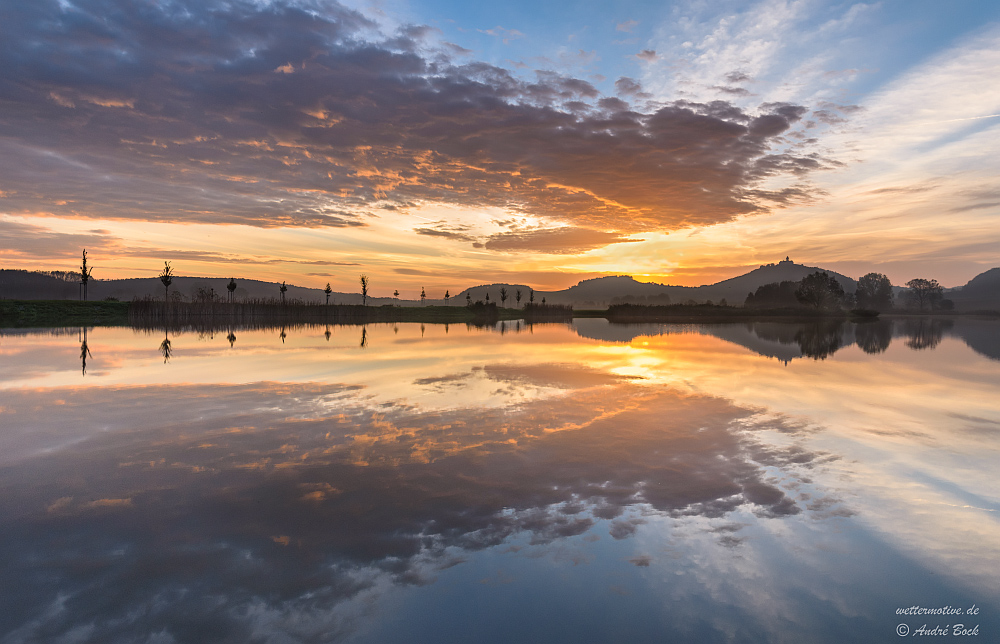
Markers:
(430, 485)
(817, 339)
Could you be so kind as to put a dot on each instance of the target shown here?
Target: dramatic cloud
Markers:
(552, 240)
(18, 239)
(446, 230)
(290, 114)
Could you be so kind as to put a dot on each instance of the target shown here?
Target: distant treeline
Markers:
(874, 292)
(661, 299)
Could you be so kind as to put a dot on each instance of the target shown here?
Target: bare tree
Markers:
(328, 290)
(282, 289)
(167, 277)
(231, 287)
(503, 295)
(517, 296)
(85, 274)
(364, 290)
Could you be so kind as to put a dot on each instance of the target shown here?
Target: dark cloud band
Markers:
(301, 114)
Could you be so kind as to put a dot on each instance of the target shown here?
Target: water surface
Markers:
(555, 483)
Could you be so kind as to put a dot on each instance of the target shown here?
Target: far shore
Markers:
(55, 313)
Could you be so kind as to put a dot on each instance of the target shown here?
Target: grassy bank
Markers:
(252, 313)
(49, 313)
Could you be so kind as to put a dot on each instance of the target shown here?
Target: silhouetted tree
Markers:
(487, 297)
(85, 274)
(231, 287)
(167, 277)
(468, 299)
(328, 290)
(531, 296)
(423, 295)
(503, 296)
(364, 290)
(820, 291)
(517, 296)
(447, 296)
(924, 292)
(282, 290)
(543, 300)
(395, 295)
(773, 295)
(874, 292)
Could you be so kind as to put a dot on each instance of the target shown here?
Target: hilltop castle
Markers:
(781, 263)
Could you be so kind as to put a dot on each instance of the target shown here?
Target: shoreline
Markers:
(56, 313)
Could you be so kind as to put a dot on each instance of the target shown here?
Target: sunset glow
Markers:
(433, 144)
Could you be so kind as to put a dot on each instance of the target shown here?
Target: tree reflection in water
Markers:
(925, 333)
(165, 349)
(84, 351)
(819, 340)
(874, 337)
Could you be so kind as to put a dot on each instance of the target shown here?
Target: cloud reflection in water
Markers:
(217, 511)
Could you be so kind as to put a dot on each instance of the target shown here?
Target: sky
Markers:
(441, 144)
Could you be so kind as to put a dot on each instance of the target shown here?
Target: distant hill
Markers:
(602, 290)
(735, 290)
(982, 292)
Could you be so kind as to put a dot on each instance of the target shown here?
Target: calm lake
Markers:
(758, 482)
